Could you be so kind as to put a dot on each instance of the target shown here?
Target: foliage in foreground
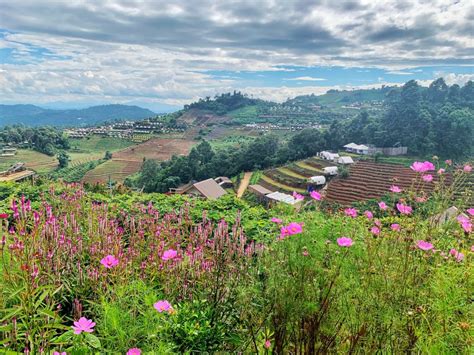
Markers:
(166, 281)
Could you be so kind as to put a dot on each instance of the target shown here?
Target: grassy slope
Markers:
(40, 162)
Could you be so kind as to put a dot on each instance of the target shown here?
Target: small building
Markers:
(329, 156)
(224, 182)
(330, 170)
(209, 189)
(17, 172)
(281, 197)
(345, 160)
(259, 191)
(317, 180)
(357, 148)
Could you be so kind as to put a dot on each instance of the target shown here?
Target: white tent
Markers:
(330, 170)
(318, 179)
(281, 197)
(345, 160)
(329, 156)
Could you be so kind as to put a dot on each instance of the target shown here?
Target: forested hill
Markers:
(338, 98)
(32, 115)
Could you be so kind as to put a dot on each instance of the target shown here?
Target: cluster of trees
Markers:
(221, 104)
(203, 162)
(435, 120)
(47, 140)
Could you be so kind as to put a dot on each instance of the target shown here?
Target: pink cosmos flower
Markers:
(351, 212)
(448, 162)
(109, 261)
(427, 178)
(267, 344)
(294, 228)
(382, 205)
(395, 189)
(83, 325)
(163, 306)
(395, 227)
(420, 167)
(284, 232)
(424, 245)
(169, 254)
(404, 209)
(465, 223)
(471, 211)
(467, 168)
(59, 353)
(441, 171)
(276, 220)
(297, 196)
(134, 351)
(458, 255)
(369, 214)
(420, 199)
(375, 230)
(316, 195)
(344, 242)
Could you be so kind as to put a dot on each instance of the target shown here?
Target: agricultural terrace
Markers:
(37, 161)
(128, 161)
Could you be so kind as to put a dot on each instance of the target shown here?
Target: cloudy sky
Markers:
(163, 54)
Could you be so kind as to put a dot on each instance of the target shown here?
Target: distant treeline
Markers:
(47, 140)
(221, 104)
(203, 162)
(435, 120)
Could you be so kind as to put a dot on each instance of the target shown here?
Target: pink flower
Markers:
(472, 248)
(448, 162)
(351, 212)
(465, 223)
(427, 178)
(395, 227)
(467, 168)
(169, 254)
(305, 253)
(294, 228)
(267, 344)
(404, 209)
(59, 353)
(284, 232)
(297, 196)
(83, 325)
(344, 242)
(369, 214)
(424, 245)
(420, 199)
(441, 171)
(163, 306)
(375, 230)
(109, 261)
(316, 195)
(395, 189)
(420, 167)
(471, 211)
(134, 351)
(382, 205)
(276, 220)
(458, 255)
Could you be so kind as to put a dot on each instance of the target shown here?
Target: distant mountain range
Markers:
(32, 115)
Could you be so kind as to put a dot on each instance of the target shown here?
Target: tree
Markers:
(63, 160)
(108, 155)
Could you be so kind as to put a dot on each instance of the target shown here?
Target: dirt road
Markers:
(243, 184)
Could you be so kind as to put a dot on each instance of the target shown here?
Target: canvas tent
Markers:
(317, 180)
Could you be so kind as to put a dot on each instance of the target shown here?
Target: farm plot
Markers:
(39, 162)
(129, 160)
(369, 180)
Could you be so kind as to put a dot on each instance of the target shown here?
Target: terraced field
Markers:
(368, 180)
(39, 162)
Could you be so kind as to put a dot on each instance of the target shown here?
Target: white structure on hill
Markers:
(329, 156)
(357, 148)
(317, 180)
(330, 170)
(345, 160)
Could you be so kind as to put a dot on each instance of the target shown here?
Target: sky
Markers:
(164, 54)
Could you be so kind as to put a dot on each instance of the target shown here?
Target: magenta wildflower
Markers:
(169, 254)
(404, 209)
(471, 211)
(427, 178)
(465, 223)
(424, 245)
(316, 195)
(83, 325)
(294, 228)
(284, 232)
(395, 227)
(344, 242)
(420, 167)
(467, 168)
(448, 162)
(305, 253)
(375, 230)
(59, 353)
(267, 344)
(382, 205)
(297, 196)
(163, 306)
(351, 212)
(369, 214)
(134, 351)
(395, 189)
(276, 220)
(109, 261)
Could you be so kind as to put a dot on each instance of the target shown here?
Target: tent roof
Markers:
(210, 189)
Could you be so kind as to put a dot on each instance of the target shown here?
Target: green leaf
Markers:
(92, 340)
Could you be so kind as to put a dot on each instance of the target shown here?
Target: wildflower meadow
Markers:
(87, 272)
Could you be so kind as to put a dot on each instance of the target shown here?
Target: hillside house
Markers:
(357, 148)
(224, 182)
(209, 189)
(259, 191)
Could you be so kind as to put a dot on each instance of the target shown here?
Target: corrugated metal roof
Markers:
(260, 189)
(210, 189)
(281, 197)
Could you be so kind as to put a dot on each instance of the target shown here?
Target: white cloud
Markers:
(398, 72)
(306, 78)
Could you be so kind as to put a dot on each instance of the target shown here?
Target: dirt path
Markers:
(243, 184)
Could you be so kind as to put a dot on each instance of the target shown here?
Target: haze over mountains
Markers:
(32, 115)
